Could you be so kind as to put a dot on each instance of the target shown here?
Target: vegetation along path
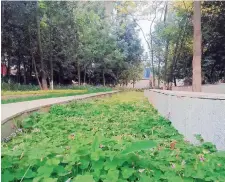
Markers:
(121, 138)
(13, 109)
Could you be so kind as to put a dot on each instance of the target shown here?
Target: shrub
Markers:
(16, 86)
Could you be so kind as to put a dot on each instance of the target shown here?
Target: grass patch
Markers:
(112, 139)
(20, 87)
(40, 94)
(16, 86)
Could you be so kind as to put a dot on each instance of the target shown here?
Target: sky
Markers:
(145, 24)
(147, 11)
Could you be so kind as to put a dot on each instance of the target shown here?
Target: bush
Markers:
(90, 88)
(16, 86)
(41, 92)
(131, 89)
(19, 87)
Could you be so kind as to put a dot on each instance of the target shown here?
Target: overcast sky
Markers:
(145, 24)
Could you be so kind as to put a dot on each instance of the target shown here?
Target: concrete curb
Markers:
(199, 95)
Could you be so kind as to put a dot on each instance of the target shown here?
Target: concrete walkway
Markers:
(12, 110)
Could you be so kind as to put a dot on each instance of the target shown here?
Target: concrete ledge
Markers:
(19, 110)
(192, 113)
(207, 88)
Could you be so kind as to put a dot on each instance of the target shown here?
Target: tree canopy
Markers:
(46, 41)
(176, 32)
(170, 38)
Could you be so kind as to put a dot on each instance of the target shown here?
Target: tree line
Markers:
(192, 40)
(55, 42)
(173, 44)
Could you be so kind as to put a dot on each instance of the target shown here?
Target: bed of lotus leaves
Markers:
(114, 139)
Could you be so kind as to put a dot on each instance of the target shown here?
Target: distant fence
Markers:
(193, 113)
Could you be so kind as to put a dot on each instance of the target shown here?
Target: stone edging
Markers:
(199, 95)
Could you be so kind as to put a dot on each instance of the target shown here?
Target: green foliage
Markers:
(78, 42)
(15, 87)
(90, 89)
(20, 87)
(130, 89)
(177, 31)
(199, 138)
(88, 178)
(141, 145)
(83, 141)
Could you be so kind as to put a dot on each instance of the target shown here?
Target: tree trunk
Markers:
(51, 65)
(159, 73)
(165, 14)
(59, 76)
(174, 81)
(117, 78)
(224, 74)
(43, 74)
(165, 59)
(133, 83)
(8, 69)
(153, 71)
(166, 51)
(170, 85)
(18, 70)
(35, 70)
(103, 77)
(84, 75)
(78, 71)
(30, 70)
(177, 50)
(152, 56)
(174, 58)
(33, 61)
(150, 83)
(196, 63)
(51, 76)
(180, 48)
(212, 80)
(50, 59)
(24, 73)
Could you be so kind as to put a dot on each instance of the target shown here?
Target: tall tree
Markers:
(197, 48)
(67, 41)
(43, 72)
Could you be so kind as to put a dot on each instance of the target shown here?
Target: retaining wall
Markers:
(216, 88)
(193, 113)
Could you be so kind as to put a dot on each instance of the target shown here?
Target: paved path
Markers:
(14, 109)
